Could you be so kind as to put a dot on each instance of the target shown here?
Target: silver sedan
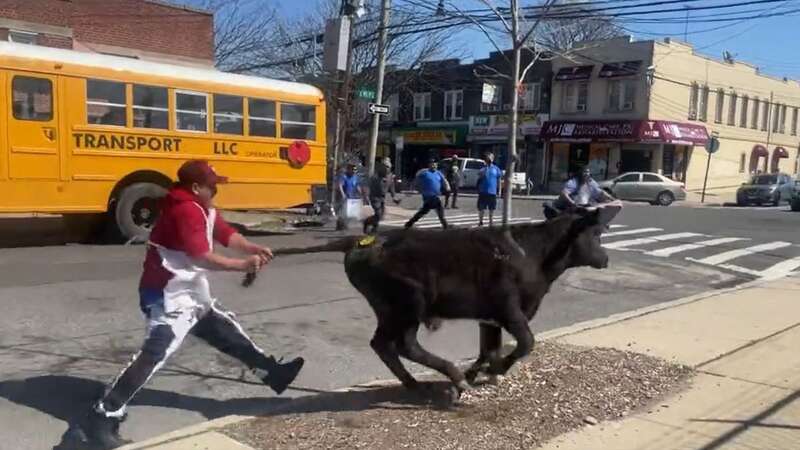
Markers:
(645, 186)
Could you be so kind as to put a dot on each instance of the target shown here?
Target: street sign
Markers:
(375, 108)
(712, 145)
(365, 93)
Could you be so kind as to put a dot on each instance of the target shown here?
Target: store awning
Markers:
(574, 73)
(621, 69)
(759, 151)
(649, 131)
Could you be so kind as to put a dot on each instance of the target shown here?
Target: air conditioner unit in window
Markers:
(627, 105)
(580, 108)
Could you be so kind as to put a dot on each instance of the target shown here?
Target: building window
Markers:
(393, 101)
(422, 106)
(754, 120)
(575, 97)
(191, 111)
(530, 96)
(742, 159)
(794, 122)
(776, 117)
(261, 115)
(298, 122)
(694, 96)
(782, 129)
(720, 105)
(732, 109)
(22, 37)
(33, 99)
(453, 105)
(765, 116)
(621, 95)
(106, 103)
(150, 108)
(745, 106)
(228, 114)
(491, 97)
(702, 113)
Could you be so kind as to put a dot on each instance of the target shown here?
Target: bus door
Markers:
(32, 127)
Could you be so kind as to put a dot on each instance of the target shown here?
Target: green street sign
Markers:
(365, 93)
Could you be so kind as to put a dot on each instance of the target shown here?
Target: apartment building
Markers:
(621, 105)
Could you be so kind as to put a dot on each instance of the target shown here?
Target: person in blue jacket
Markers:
(430, 183)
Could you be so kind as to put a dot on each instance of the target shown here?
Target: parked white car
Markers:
(470, 169)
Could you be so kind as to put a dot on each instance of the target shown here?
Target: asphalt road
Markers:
(70, 318)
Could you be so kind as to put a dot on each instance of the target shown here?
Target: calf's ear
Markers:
(607, 212)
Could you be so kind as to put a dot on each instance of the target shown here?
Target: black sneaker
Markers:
(280, 376)
(103, 432)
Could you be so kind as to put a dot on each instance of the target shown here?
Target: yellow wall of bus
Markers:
(259, 178)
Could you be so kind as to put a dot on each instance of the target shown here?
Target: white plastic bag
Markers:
(352, 210)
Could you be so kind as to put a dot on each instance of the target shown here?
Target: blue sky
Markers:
(770, 43)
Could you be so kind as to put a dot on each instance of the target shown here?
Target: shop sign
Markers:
(529, 124)
(658, 131)
(446, 137)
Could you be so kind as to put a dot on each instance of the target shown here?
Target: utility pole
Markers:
(511, 156)
(376, 118)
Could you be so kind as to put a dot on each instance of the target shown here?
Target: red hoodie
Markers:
(182, 227)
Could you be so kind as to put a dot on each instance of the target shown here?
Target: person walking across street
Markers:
(488, 188)
(176, 299)
(429, 183)
(350, 188)
(379, 183)
(454, 179)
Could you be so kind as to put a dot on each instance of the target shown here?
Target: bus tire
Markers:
(137, 210)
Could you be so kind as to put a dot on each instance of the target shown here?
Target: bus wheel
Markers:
(137, 210)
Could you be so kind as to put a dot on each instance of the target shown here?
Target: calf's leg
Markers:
(517, 326)
(410, 348)
(384, 344)
(490, 345)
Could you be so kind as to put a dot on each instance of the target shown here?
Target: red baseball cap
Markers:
(200, 172)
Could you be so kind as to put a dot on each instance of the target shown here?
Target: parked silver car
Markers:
(772, 188)
(645, 186)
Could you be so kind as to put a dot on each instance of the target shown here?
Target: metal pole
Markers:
(769, 130)
(705, 180)
(376, 118)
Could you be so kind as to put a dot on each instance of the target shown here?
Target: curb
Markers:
(215, 424)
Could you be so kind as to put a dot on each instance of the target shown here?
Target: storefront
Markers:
(612, 147)
(420, 144)
(490, 134)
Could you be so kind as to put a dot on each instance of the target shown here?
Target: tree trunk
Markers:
(511, 156)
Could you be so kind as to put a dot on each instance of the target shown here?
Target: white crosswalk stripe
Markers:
(720, 258)
(625, 245)
(668, 251)
(629, 232)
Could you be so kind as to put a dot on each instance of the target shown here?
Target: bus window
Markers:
(105, 103)
(150, 109)
(33, 99)
(262, 118)
(191, 111)
(298, 122)
(228, 114)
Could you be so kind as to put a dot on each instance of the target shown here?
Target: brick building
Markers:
(144, 29)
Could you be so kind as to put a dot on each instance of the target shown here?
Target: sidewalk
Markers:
(746, 394)
(713, 198)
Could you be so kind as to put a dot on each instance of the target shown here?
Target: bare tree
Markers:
(561, 34)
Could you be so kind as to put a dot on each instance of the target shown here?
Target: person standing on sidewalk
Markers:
(379, 183)
(488, 188)
(454, 179)
(176, 299)
(430, 183)
(350, 188)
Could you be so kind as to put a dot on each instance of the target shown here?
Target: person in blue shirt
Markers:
(350, 187)
(429, 183)
(488, 188)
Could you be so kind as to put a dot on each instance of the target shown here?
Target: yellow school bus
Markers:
(88, 133)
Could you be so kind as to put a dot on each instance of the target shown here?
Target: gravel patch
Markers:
(561, 387)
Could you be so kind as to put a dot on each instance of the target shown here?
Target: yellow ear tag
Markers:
(366, 241)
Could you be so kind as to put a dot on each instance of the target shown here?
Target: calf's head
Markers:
(585, 248)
